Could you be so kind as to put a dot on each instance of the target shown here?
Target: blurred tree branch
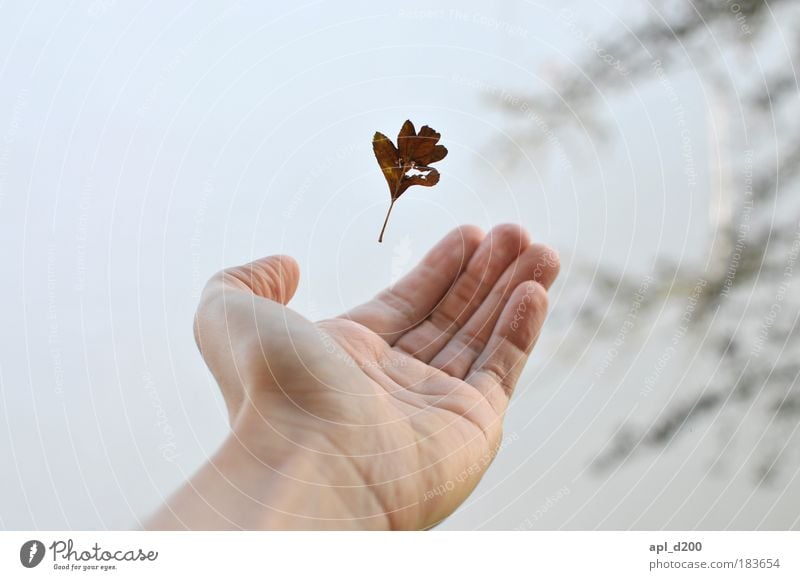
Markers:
(754, 272)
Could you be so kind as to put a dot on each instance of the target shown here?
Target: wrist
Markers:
(261, 481)
(304, 480)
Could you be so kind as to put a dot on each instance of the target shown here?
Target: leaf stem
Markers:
(386, 221)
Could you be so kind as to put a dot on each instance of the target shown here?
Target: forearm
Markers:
(240, 489)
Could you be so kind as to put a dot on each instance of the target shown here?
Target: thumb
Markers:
(225, 326)
(274, 278)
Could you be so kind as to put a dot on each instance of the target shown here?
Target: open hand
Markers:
(369, 413)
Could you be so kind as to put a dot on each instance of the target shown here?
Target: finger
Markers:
(497, 369)
(273, 277)
(225, 317)
(538, 263)
(499, 249)
(404, 305)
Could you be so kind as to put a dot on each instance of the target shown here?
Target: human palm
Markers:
(400, 399)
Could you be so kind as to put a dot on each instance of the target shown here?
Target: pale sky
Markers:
(143, 146)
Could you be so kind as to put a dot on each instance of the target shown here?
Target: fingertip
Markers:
(525, 313)
(273, 277)
(548, 265)
(283, 272)
(511, 234)
(459, 244)
(470, 235)
(530, 293)
(553, 262)
(288, 266)
(533, 291)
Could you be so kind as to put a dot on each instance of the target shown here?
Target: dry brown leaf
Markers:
(409, 163)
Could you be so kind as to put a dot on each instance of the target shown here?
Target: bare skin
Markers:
(352, 422)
